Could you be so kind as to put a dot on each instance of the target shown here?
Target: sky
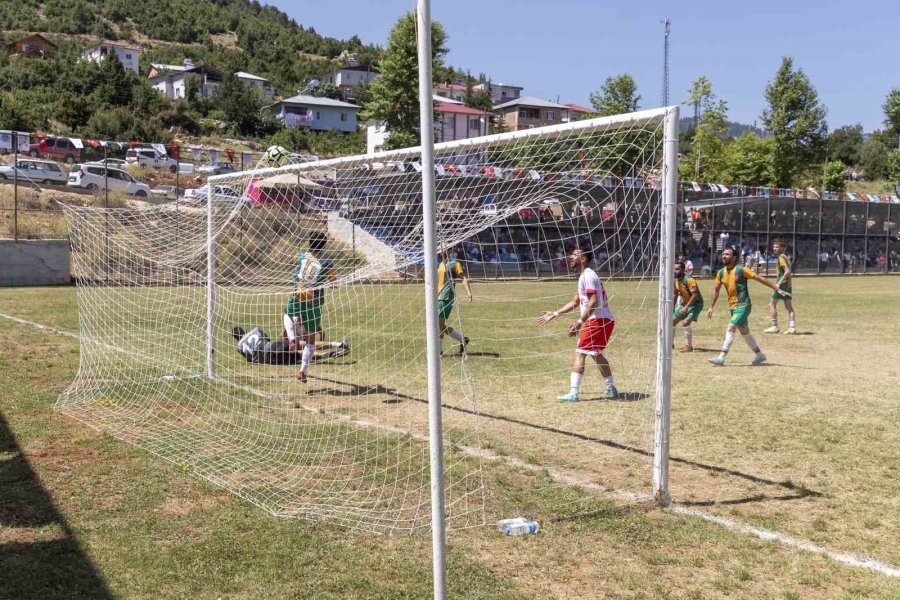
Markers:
(567, 48)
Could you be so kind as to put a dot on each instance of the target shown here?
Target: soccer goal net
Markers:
(269, 333)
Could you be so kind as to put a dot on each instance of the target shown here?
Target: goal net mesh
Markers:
(349, 446)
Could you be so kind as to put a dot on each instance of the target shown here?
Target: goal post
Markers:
(173, 285)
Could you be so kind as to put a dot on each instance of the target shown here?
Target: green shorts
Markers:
(693, 313)
(740, 316)
(445, 307)
(777, 296)
(308, 313)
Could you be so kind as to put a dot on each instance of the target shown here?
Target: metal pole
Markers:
(819, 251)
(666, 306)
(16, 186)
(105, 178)
(210, 281)
(432, 345)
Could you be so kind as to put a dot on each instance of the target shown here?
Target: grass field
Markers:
(806, 446)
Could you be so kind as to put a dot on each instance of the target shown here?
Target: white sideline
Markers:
(731, 524)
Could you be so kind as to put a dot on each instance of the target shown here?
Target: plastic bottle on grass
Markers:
(518, 526)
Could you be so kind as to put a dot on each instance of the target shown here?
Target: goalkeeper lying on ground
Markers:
(257, 348)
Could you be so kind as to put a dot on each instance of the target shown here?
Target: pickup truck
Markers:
(148, 157)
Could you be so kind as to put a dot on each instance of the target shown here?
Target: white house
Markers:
(500, 92)
(455, 121)
(260, 84)
(349, 78)
(318, 114)
(129, 56)
(171, 80)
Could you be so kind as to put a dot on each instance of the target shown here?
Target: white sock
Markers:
(609, 381)
(748, 337)
(689, 335)
(575, 382)
(729, 340)
(456, 336)
(791, 323)
(289, 327)
(335, 344)
(308, 352)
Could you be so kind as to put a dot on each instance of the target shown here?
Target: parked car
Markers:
(35, 171)
(221, 193)
(113, 163)
(166, 191)
(57, 148)
(94, 177)
(148, 157)
(219, 168)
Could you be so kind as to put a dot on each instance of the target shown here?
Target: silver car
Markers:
(35, 171)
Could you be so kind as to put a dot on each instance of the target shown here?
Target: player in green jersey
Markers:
(690, 306)
(785, 275)
(734, 277)
(448, 271)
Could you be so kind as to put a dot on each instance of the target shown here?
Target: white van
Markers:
(94, 177)
(148, 157)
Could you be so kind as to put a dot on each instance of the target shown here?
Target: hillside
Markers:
(735, 130)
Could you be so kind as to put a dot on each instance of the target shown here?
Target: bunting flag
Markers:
(230, 154)
(213, 155)
(195, 152)
(696, 186)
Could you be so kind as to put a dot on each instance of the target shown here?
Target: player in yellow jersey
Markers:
(785, 275)
(449, 270)
(734, 277)
(690, 306)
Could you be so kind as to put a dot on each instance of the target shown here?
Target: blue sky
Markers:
(566, 48)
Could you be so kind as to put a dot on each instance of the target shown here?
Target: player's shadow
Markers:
(622, 397)
(57, 567)
(798, 492)
(481, 354)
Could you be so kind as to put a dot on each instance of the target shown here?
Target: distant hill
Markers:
(735, 130)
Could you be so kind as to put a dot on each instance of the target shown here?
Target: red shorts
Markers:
(594, 336)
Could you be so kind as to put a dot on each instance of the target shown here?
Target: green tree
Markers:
(617, 95)
(328, 90)
(845, 143)
(395, 94)
(796, 121)
(479, 99)
(893, 167)
(114, 83)
(748, 161)
(874, 158)
(892, 113)
(707, 143)
(833, 179)
(240, 105)
(73, 110)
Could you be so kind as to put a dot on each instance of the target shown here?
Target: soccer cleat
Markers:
(570, 397)
(464, 345)
(687, 349)
(772, 329)
(790, 331)
(301, 377)
(612, 392)
(758, 359)
(718, 361)
(345, 344)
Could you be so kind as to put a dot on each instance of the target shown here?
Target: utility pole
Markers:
(667, 26)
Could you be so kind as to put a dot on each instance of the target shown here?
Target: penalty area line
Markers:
(852, 560)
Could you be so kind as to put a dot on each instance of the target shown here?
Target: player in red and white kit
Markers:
(594, 326)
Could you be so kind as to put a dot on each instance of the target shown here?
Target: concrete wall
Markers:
(34, 262)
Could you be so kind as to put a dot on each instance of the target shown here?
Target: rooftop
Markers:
(245, 75)
(579, 108)
(458, 109)
(531, 101)
(109, 43)
(305, 100)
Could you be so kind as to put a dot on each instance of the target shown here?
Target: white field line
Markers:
(572, 480)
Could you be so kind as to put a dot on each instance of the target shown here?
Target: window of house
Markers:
(343, 117)
(127, 56)
(529, 113)
(318, 115)
(551, 115)
(473, 123)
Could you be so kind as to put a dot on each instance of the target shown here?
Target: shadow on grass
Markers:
(396, 397)
(38, 568)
